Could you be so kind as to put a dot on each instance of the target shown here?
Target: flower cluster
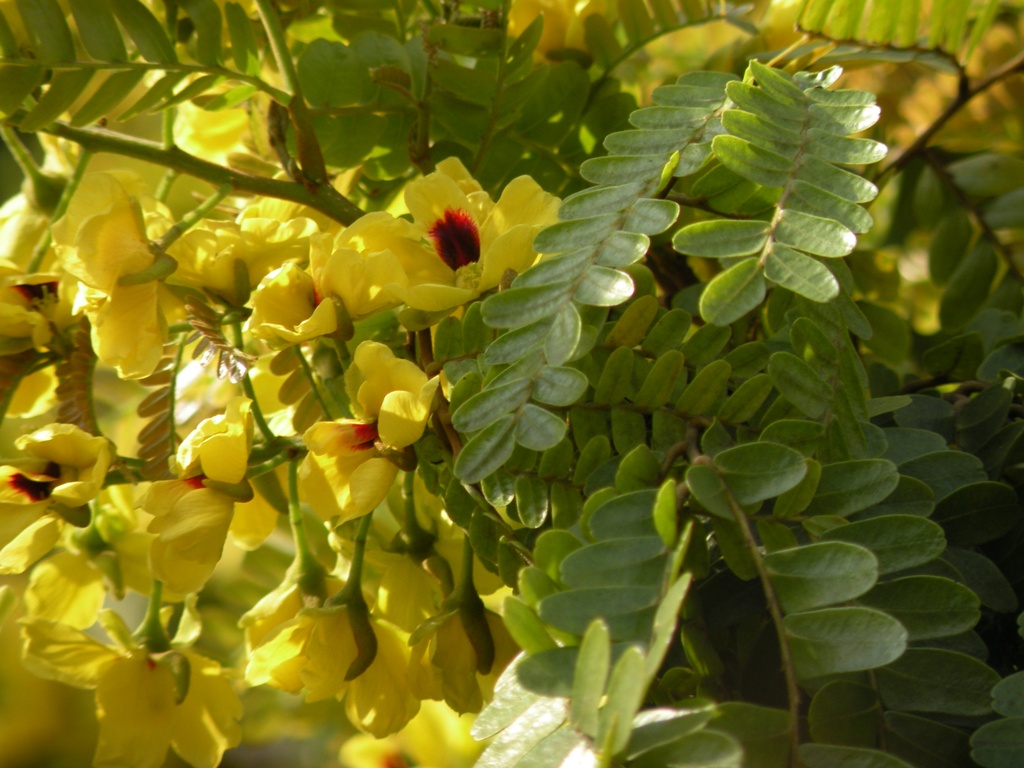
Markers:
(312, 443)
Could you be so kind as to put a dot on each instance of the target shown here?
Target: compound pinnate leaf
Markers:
(487, 450)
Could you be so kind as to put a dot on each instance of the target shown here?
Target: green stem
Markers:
(308, 371)
(352, 592)
(311, 574)
(163, 67)
(775, 610)
(257, 412)
(323, 197)
(418, 540)
(311, 158)
(193, 217)
(151, 632)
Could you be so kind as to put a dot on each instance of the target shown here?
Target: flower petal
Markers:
(135, 708)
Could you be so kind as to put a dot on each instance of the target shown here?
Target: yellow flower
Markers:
(475, 241)
(464, 686)
(191, 515)
(65, 468)
(314, 652)
(436, 738)
(345, 472)
(101, 239)
(361, 266)
(563, 21)
(211, 254)
(31, 305)
(143, 705)
(287, 310)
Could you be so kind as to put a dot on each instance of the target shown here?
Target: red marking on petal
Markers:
(456, 238)
(36, 292)
(35, 490)
(150, 663)
(366, 434)
(195, 482)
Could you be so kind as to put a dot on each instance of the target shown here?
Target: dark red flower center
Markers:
(35, 490)
(456, 239)
(36, 292)
(195, 482)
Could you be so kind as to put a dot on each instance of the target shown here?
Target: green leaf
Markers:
(525, 627)
(733, 293)
(818, 575)
(331, 74)
(721, 238)
(636, 560)
(801, 274)
(706, 748)
(49, 32)
(100, 34)
(849, 639)
(517, 306)
(208, 24)
(653, 728)
(532, 725)
(800, 384)
(706, 387)
(934, 680)
(977, 513)
(762, 166)
(628, 610)
(845, 713)
(758, 471)
(763, 732)
(115, 89)
(603, 287)
(924, 742)
(969, 287)
(564, 338)
(531, 500)
(746, 400)
(625, 694)
(145, 31)
(898, 541)
(244, 51)
(850, 486)
(625, 516)
(829, 756)
(490, 405)
(539, 429)
(708, 487)
(803, 436)
(999, 744)
(591, 675)
(1008, 696)
(18, 82)
(947, 471)
(486, 451)
(66, 87)
(928, 606)
(559, 386)
(814, 234)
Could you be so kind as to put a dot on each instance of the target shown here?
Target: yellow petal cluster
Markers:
(313, 653)
(475, 240)
(190, 518)
(64, 468)
(101, 239)
(346, 473)
(141, 710)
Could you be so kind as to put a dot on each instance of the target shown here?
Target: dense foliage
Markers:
(518, 382)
